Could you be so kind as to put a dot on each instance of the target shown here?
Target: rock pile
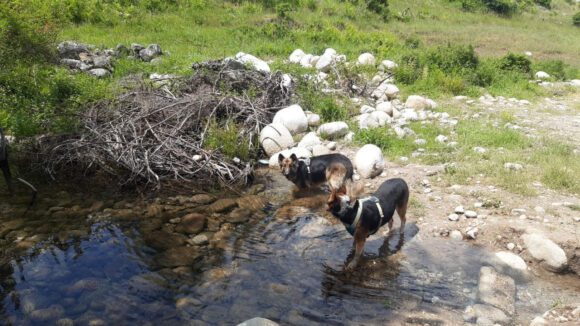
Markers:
(99, 63)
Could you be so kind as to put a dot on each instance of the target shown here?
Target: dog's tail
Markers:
(335, 176)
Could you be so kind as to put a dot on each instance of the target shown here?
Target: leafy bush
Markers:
(516, 62)
(409, 70)
(557, 69)
(453, 58)
(576, 19)
(380, 7)
(544, 3)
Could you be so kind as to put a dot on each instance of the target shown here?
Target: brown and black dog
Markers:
(363, 217)
(307, 173)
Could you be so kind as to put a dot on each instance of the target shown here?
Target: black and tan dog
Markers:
(307, 173)
(363, 217)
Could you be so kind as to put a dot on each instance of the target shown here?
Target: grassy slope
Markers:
(547, 34)
(223, 30)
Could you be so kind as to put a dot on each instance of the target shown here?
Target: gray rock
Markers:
(258, 321)
(472, 233)
(121, 51)
(309, 141)
(459, 210)
(102, 61)
(331, 145)
(313, 119)
(470, 214)
(333, 130)
(453, 217)
(136, 48)
(99, 72)
(483, 314)
(553, 258)
(369, 161)
(255, 63)
(71, 50)
(497, 290)
(456, 235)
(71, 63)
(318, 150)
(151, 51)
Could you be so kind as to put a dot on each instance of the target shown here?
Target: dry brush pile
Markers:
(153, 134)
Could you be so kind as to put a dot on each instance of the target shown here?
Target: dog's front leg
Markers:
(360, 236)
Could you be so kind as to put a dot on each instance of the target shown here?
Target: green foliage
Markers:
(516, 62)
(453, 58)
(557, 69)
(544, 3)
(228, 139)
(576, 19)
(380, 7)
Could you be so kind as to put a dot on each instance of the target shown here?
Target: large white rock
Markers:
(369, 161)
(314, 60)
(309, 140)
(248, 59)
(366, 109)
(417, 102)
(367, 121)
(382, 117)
(575, 82)
(330, 51)
(296, 56)
(293, 118)
(325, 62)
(300, 152)
(366, 59)
(318, 150)
(386, 107)
(275, 137)
(546, 251)
(511, 264)
(387, 65)
(305, 61)
(542, 75)
(313, 119)
(333, 130)
(386, 89)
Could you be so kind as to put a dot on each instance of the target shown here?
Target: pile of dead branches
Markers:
(153, 134)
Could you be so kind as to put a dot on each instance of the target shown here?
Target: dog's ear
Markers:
(293, 157)
(280, 158)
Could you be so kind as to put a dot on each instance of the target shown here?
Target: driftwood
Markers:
(153, 134)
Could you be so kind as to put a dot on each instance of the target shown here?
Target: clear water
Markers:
(289, 269)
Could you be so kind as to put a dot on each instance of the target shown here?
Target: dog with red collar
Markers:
(363, 217)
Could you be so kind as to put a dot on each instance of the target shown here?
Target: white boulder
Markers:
(366, 121)
(441, 139)
(313, 119)
(387, 89)
(369, 161)
(387, 65)
(305, 61)
(296, 56)
(511, 264)
(546, 251)
(382, 117)
(300, 152)
(309, 141)
(366, 59)
(386, 107)
(248, 59)
(293, 118)
(366, 109)
(318, 150)
(417, 102)
(542, 75)
(333, 130)
(325, 62)
(275, 137)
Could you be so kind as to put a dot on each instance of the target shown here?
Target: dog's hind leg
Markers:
(402, 212)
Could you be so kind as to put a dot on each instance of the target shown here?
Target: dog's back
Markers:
(395, 190)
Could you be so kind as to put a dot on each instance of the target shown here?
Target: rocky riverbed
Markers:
(93, 259)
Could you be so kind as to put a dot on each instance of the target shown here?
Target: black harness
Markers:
(351, 228)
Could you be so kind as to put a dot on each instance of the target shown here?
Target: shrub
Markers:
(409, 70)
(576, 19)
(555, 68)
(544, 3)
(453, 58)
(516, 62)
(380, 7)
(502, 7)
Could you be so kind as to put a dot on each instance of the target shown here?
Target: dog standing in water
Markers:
(308, 173)
(363, 217)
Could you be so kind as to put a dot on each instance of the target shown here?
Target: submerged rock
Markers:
(180, 256)
(258, 321)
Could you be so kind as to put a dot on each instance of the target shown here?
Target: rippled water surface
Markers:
(91, 271)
